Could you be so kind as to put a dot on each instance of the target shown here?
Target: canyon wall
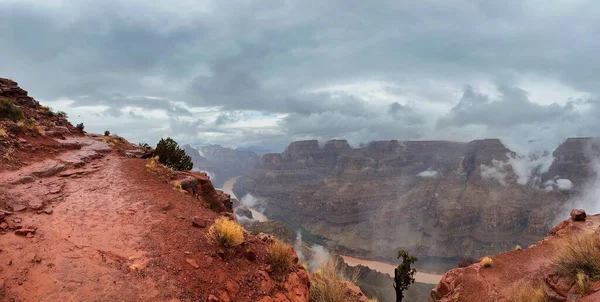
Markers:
(221, 163)
(438, 199)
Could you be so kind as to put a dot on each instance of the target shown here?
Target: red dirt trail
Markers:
(110, 236)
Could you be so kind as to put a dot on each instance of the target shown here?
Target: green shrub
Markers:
(170, 155)
(80, 127)
(9, 110)
(62, 114)
(106, 133)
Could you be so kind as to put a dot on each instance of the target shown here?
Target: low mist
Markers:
(588, 197)
(316, 257)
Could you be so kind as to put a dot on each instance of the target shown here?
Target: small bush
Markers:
(487, 262)
(528, 293)
(9, 110)
(62, 114)
(17, 128)
(170, 155)
(106, 133)
(225, 233)
(581, 255)
(466, 261)
(144, 145)
(280, 257)
(80, 127)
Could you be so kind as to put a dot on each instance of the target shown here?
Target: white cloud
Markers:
(497, 171)
(564, 184)
(528, 167)
(428, 173)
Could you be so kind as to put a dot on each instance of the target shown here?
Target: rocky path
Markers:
(82, 230)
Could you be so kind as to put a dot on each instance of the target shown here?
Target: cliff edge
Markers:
(86, 217)
(555, 269)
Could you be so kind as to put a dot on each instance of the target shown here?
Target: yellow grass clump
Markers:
(580, 255)
(518, 248)
(177, 185)
(583, 283)
(326, 285)
(3, 132)
(40, 130)
(280, 256)
(487, 262)
(528, 293)
(152, 163)
(225, 233)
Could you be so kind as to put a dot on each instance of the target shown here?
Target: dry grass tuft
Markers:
(528, 293)
(518, 248)
(9, 154)
(152, 163)
(3, 132)
(160, 170)
(326, 285)
(583, 283)
(280, 257)
(40, 130)
(225, 233)
(487, 262)
(177, 185)
(581, 255)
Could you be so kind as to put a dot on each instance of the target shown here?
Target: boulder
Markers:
(578, 215)
(24, 180)
(24, 232)
(198, 223)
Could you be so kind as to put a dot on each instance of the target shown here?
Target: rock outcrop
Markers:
(529, 270)
(437, 199)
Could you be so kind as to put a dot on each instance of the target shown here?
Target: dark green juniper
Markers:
(404, 274)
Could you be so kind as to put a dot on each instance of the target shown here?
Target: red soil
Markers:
(118, 232)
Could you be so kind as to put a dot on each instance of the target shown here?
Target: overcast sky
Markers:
(265, 73)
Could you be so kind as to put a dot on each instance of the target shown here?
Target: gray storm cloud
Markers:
(231, 63)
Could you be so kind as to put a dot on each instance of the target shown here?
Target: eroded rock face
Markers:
(434, 198)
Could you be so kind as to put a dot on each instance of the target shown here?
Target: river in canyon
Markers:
(381, 267)
(228, 189)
